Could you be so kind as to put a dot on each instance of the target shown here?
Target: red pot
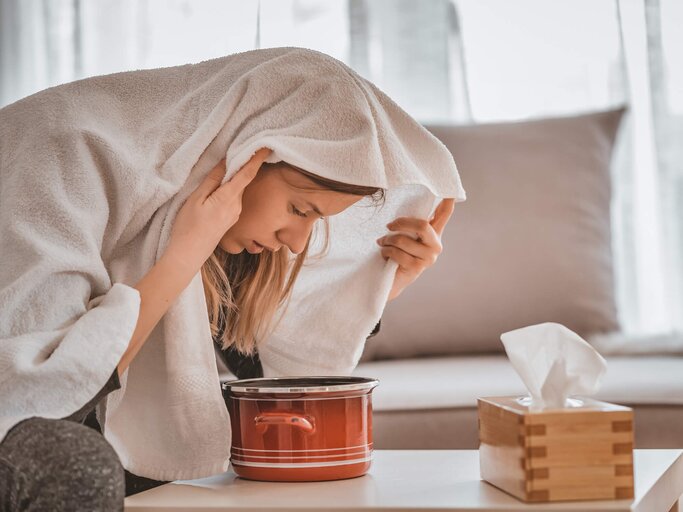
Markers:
(300, 428)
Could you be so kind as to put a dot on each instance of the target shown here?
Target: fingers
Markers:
(422, 228)
(236, 183)
(212, 180)
(442, 213)
(246, 174)
(405, 261)
(414, 256)
(412, 247)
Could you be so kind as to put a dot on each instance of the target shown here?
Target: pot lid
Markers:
(300, 384)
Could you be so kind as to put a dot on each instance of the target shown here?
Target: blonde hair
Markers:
(243, 291)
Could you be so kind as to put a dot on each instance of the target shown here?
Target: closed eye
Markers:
(298, 212)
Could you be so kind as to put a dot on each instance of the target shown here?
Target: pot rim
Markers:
(313, 384)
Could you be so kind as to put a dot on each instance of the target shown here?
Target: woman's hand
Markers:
(210, 211)
(414, 256)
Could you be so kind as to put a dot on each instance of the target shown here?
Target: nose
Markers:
(295, 237)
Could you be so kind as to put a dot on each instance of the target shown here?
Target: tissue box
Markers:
(577, 453)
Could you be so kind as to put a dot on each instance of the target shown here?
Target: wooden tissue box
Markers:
(578, 453)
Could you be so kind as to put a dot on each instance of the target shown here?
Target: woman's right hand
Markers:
(210, 211)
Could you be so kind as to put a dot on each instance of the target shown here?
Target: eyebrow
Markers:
(315, 208)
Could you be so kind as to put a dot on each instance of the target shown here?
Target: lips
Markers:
(258, 245)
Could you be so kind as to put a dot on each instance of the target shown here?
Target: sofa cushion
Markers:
(457, 382)
(531, 244)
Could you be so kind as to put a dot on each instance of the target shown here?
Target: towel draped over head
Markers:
(92, 175)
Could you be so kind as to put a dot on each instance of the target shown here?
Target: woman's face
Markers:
(278, 209)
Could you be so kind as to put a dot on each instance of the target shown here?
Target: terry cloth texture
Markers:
(245, 366)
(92, 175)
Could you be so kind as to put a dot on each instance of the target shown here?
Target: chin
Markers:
(231, 247)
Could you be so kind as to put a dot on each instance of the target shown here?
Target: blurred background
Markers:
(443, 61)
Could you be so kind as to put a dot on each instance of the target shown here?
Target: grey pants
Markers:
(59, 465)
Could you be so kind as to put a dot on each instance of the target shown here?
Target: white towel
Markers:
(92, 174)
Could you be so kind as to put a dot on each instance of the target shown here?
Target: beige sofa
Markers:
(531, 244)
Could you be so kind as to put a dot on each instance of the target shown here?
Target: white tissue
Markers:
(554, 363)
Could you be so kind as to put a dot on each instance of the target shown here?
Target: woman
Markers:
(293, 186)
(238, 236)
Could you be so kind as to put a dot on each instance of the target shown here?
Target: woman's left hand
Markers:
(414, 256)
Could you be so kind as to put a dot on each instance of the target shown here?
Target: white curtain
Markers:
(650, 170)
(446, 61)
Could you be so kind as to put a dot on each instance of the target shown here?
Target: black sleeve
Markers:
(112, 384)
(240, 365)
(375, 330)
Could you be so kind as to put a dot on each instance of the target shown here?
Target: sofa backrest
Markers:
(531, 244)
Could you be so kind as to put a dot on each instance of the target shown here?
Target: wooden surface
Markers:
(401, 480)
(580, 453)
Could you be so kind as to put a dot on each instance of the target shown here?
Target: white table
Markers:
(401, 480)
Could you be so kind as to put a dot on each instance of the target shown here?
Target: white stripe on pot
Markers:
(307, 451)
(302, 464)
(298, 456)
